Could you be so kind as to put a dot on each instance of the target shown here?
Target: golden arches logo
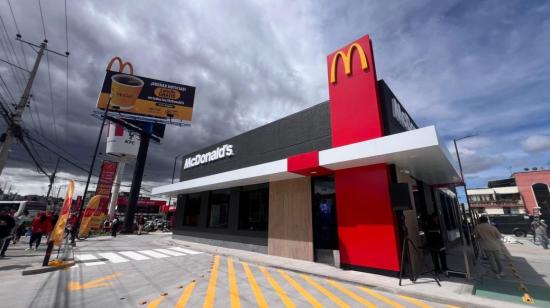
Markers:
(121, 65)
(346, 58)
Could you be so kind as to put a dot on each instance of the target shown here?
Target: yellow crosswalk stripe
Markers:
(211, 291)
(351, 294)
(415, 301)
(186, 294)
(282, 294)
(254, 285)
(300, 289)
(326, 292)
(381, 297)
(233, 289)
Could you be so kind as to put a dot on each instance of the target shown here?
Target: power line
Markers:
(55, 152)
(51, 97)
(67, 66)
(42, 17)
(7, 90)
(14, 65)
(13, 16)
(18, 33)
(13, 53)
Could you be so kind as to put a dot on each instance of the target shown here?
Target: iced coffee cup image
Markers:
(125, 90)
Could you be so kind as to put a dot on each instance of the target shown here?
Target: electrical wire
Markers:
(19, 33)
(7, 90)
(51, 97)
(13, 53)
(42, 18)
(67, 65)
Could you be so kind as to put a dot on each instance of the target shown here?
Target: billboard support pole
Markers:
(136, 180)
(116, 189)
(81, 209)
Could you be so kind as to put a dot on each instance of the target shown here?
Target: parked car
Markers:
(519, 225)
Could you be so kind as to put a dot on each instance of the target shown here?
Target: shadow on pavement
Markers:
(14, 267)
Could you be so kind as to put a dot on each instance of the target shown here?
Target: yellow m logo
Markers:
(121, 65)
(346, 58)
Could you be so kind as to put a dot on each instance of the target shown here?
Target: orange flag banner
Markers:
(89, 212)
(59, 229)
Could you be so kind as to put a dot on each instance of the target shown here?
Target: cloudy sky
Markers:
(469, 67)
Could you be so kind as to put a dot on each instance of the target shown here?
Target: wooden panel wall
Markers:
(290, 231)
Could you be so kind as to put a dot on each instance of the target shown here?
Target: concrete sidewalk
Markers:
(453, 291)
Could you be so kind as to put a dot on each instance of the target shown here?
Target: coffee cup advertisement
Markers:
(146, 97)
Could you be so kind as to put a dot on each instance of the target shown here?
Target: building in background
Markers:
(524, 193)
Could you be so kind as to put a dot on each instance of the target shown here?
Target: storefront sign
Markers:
(106, 178)
(401, 116)
(220, 152)
(346, 58)
(145, 97)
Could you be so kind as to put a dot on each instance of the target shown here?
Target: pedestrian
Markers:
(489, 239)
(20, 227)
(541, 233)
(534, 225)
(141, 224)
(114, 227)
(40, 226)
(436, 244)
(7, 223)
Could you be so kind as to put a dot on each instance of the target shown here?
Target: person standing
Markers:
(541, 233)
(489, 239)
(114, 227)
(141, 224)
(436, 243)
(7, 223)
(534, 226)
(20, 226)
(40, 226)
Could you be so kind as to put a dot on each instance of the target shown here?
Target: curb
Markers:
(46, 269)
(475, 301)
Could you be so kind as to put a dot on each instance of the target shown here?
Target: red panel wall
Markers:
(355, 113)
(366, 222)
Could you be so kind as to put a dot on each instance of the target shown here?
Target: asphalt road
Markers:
(145, 271)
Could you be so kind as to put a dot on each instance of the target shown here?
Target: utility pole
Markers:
(14, 130)
(52, 178)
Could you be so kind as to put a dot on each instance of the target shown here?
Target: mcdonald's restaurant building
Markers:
(340, 182)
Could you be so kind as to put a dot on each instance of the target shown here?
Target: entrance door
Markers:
(325, 233)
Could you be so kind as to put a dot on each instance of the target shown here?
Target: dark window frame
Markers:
(186, 209)
(227, 203)
(242, 224)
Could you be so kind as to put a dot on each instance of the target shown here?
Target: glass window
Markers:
(192, 210)
(219, 209)
(254, 209)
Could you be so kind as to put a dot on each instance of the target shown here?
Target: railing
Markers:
(518, 203)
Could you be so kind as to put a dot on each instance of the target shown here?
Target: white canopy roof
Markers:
(418, 151)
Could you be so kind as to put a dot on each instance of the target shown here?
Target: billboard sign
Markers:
(140, 97)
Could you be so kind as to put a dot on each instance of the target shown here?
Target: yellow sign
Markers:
(96, 283)
(136, 96)
(346, 58)
(88, 216)
(59, 229)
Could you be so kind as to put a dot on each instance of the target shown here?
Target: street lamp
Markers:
(174, 174)
(466, 263)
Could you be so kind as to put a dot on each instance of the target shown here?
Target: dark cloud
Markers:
(468, 67)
